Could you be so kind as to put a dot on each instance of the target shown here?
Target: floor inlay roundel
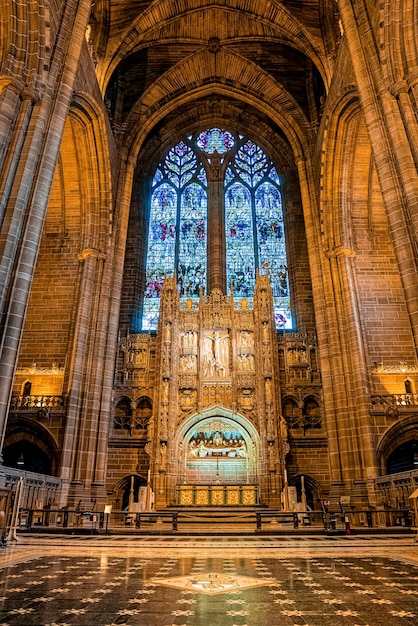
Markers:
(212, 583)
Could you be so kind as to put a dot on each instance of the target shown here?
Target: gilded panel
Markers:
(186, 496)
(217, 496)
(202, 496)
(248, 495)
(232, 495)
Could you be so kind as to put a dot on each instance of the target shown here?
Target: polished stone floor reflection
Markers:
(208, 581)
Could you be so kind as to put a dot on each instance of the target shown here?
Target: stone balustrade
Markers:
(399, 400)
(36, 402)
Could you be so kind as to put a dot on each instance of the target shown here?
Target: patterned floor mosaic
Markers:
(78, 586)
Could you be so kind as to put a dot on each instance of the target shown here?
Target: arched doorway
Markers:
(26, 455)
(311, 489)
(127, 493)
(404, 458)
(30, 446)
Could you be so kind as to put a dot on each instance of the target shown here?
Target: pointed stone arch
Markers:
(257, 18)
(397, 434)
(88, 132)
(226, 74)
(313, 489)
(36, 440)
(120, 491)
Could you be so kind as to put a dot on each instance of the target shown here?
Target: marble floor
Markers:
(209, 581)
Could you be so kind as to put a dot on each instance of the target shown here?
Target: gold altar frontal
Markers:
(217, 495)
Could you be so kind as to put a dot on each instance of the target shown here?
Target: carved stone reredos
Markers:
(217, 350)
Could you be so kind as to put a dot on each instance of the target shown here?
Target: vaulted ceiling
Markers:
(261, 59)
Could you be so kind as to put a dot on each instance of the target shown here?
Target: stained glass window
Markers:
(240, 240)
(177, 229)
(191, 272)
(215, 140)
(254, 228)
(254, 231)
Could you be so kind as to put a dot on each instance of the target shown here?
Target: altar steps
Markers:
(217, 521)
(227, 520)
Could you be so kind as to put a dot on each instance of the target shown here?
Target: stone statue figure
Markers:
(246, 362)
(163, 455)
(150, 429)
(165, 391)
(246, 339)
(188, 341)
(268, 391)
(216, 355)
(216, 339)
(283, 428)
(188, 363)
(167, 332)
(271, 455)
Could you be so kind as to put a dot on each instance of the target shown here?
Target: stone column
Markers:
(216, 228)
(109, 319)
(27, 176)
(393, 157)
(351, 387)
(327, 325)
(72, 453)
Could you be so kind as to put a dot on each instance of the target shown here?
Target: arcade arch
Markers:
(399, 441)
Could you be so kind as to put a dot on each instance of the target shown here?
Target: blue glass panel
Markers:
(273, 175)
(229, 176)
(240, 263)
(157, 177)
(161, 250)
(272, 248)
(215, 140)
(180, 164)
(202, 176)
(251, 163)
(191, 272)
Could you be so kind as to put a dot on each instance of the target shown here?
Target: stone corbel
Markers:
(91, 252)
(332, 253)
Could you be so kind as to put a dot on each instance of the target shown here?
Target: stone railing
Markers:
(31, 403)
(396, 400)
(303, 423)
(395, 489)
(38, 489)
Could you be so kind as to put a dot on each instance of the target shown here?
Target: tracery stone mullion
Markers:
(216, 228)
